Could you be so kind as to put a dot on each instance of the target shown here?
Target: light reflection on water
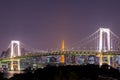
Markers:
(10, 74)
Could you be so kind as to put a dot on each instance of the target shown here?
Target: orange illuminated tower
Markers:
(63, 46)
(63, 49)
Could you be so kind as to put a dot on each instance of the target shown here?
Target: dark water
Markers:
(9, 74)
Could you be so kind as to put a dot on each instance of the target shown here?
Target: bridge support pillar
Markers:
(18, 65)
(108, 59)
(12, 65)
(100, 59)
(15, 64)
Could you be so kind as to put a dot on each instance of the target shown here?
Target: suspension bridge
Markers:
(101, 47)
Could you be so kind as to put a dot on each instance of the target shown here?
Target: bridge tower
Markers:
(14, 44)
(104, 39)
(15, 51)
(104, 44)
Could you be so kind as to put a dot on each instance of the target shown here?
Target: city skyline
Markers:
(44, 24)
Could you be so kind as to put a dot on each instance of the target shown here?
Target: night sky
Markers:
(43, 24)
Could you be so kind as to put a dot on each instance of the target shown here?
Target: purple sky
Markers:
(44, 24)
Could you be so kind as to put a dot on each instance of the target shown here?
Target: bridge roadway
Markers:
(69, 58)
(82, 52)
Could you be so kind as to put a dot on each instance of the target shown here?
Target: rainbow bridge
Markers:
(101, 47)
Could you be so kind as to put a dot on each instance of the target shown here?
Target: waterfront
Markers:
(9, 74)
(71, 72)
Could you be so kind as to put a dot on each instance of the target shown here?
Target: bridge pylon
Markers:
(104, 38)
(104, 44)
(15, 51)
